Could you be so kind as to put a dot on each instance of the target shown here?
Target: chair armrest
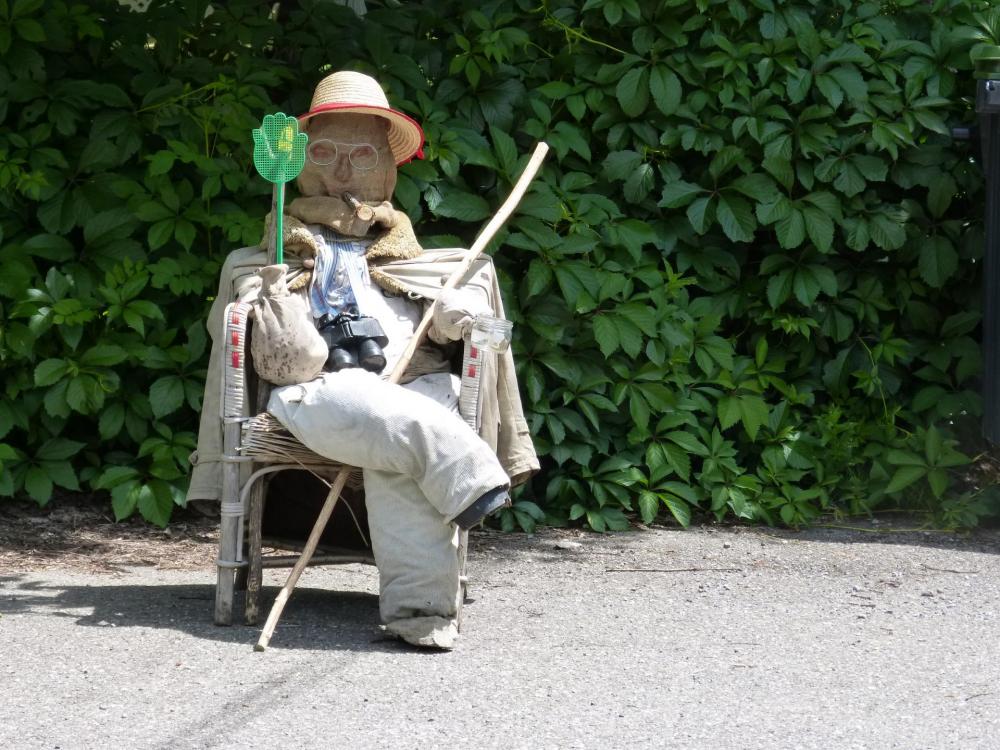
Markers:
(234, 360)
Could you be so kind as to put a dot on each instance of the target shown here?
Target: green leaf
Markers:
(754, 413)
(596, 521)
(960, 323)
(680, 510)
(904, 477)
(114, 476)
(23, 8)
(679, 193)
(830, 89)
(58, 449)
(606, 334)
(124, 499)
(769, 213)
(938, 480)
(38, 485)
(851, 81)
(619, 165)
(50, 247)
(779, 288)
(939, 195)
(904, 458)
(50, 371)
(166, 395)
(29, 30)
(160, 163)
(103, 355)
(791, 230)
(458, 204)
(55, 400)
(797, 85)
(61, 473)
(160, 233)
(639, 183)
(938, 261)
(736, 218)
(806, 286)
(819, 227)
(757, 187)
(729, 411)
(633, 91)
(571, 137)
(555, 89)
(679, 461)
(886, 232)
(615, 519)
(700, 214)
(665, 88)
(649, 506)
(538, 278)
(688, 442)
(505, 149)
(7, 418)
(155, 502)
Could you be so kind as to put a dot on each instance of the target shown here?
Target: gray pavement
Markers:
(707, 638)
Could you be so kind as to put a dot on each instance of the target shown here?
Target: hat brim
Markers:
(406, 137)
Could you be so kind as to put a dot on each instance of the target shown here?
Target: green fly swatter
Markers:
(279, 153)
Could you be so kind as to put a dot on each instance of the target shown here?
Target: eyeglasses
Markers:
(363, 156)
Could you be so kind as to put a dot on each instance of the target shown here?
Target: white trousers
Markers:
(422, 466)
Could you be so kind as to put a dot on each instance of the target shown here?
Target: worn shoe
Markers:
(488, 503)
(426, 632)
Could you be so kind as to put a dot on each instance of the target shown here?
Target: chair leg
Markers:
(463, 579)
(224, 597)
(255, 572)
(227, 567)
(463, 553)
(229, 526)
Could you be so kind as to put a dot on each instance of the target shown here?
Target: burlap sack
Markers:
(286, 347)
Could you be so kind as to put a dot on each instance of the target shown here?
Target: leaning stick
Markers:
(501, 216)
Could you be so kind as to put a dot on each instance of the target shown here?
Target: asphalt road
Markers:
(656, 639)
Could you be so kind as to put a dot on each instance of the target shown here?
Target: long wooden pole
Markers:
(489, 231)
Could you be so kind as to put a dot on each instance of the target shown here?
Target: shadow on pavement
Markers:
(315, 619)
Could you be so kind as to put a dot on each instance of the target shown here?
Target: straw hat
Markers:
(347, 91)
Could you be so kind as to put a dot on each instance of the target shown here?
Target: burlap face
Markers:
(347, 129)
(286, 347)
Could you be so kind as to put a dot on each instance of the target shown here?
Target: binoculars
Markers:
(354, 341)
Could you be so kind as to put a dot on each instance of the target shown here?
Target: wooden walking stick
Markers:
(520, 187)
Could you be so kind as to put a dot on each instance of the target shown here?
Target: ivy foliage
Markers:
(741, 285)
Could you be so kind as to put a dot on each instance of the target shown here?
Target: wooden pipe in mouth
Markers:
(361, 210)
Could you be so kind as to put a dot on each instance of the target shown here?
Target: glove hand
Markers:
(274, 281)
(385, 215)
(455, 312)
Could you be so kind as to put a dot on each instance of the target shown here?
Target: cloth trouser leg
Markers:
(355, 417)
(422, 466)
(417, 555)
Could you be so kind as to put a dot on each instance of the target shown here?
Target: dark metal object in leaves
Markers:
(988, 109)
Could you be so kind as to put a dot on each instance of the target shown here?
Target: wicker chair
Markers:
(262, 445)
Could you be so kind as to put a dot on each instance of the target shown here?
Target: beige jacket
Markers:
(503, 425)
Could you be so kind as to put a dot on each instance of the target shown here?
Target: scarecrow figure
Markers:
(330, 325)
